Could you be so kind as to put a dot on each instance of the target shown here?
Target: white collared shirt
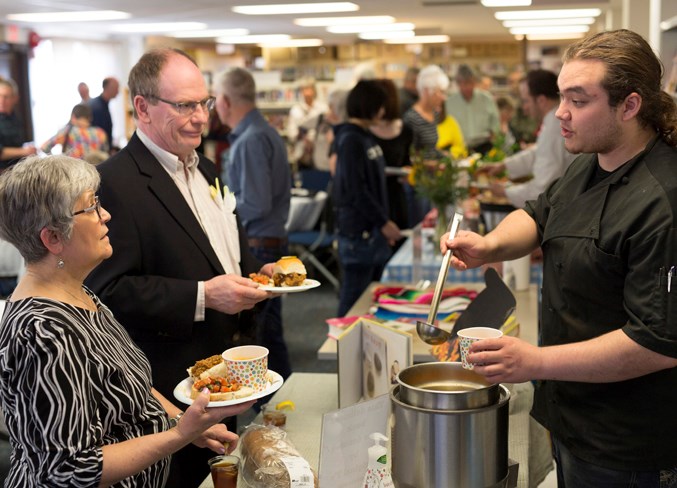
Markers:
(208, 211)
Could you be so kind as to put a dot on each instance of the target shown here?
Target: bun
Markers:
(220, 389)
(263, 449)
(289, 271)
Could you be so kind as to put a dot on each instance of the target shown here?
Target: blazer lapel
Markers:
(162, 186)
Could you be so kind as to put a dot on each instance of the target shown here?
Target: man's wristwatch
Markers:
(174, 421)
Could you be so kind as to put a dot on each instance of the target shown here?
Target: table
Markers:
(317, 393)
(526, 313)
(419, 258)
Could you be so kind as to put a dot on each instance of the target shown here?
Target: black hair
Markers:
(365, 100)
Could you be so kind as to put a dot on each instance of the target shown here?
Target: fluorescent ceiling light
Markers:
(293, 43)
(354, 29)
(326, 21)
(555, 29)
(506, 3)
(158, 27)
(296, 8)
(85, 16)
(254, 39)
(548, 14)
(419, 40)
(370, 36)
(544, 22)
(551, 37)
(210, 33)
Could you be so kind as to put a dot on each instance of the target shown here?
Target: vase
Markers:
(443, 217)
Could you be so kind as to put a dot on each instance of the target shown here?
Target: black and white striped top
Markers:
(425, 133)
(72, 381)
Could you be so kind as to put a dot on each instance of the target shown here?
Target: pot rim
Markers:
(503, 398)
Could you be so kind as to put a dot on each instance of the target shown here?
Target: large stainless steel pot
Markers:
(445, 386)
(448, 447)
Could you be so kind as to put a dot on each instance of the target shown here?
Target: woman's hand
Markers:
(198, 423)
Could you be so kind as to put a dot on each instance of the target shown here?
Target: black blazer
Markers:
(160, 252)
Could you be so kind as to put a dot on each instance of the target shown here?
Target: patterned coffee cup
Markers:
(473, 334)
(248, 365)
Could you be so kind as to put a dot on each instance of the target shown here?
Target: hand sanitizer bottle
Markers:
(377, 475)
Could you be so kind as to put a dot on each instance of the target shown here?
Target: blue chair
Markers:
(309, 232)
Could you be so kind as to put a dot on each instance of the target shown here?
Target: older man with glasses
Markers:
(175, 280)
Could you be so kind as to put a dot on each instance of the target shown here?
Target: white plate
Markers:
(307, 285)
(182, 391)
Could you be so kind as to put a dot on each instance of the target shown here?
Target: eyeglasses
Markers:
(94, 208)
(189, 108)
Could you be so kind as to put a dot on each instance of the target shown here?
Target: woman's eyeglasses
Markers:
(94, 208)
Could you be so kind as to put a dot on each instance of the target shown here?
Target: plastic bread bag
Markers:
(269, 460)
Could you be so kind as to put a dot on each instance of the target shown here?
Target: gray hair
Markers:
(430, 78)
(11, 84)
(337, 101)
(237, 84)
(39, 193)
(465, 73)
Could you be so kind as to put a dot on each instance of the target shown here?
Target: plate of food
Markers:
(211, 373)
(289, 276)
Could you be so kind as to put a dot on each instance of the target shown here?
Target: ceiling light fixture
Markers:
(506, 3)
(354, 29)
(552, 37)
(156, 27)
(327, 21)
(209, 33)
(85, 16)
(434, 39)
(548, 14)
(253, 39)
(554, 29)
(296, 8)
(293, 43)
(372, 36)
(544, 22)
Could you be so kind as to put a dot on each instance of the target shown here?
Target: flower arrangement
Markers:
(440, 180)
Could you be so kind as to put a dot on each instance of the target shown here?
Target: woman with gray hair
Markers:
(75, 390)
(422, 117)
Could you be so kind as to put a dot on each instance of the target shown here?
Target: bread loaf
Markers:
(268, 457)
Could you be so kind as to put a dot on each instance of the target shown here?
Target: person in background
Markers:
(449, 135)
(506, 112)
(257, 172)
(523, 126)
(423, 116)
(395, 139)
(475, 111)
(78, 138)
(83, 91)
(606, 369)
(175, 281)
(307, 108)
(485, 83)
(62, 350)
(408, 92)
(13, 145)
(100, 110)
(548, 159)
(365, 231)
(11, 266)
(324, 157)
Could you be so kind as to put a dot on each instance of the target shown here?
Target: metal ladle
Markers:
(429, 333)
